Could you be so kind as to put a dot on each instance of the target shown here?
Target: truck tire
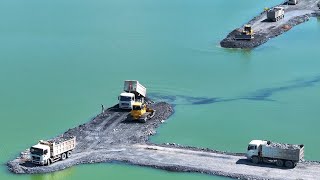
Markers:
(68, 154)
(279, 163)
(289, 164)
(63, 156)
(48, 162)
(255, 159)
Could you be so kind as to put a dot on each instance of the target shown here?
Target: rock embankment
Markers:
(265, 30)
(106, 131)
(109, 137)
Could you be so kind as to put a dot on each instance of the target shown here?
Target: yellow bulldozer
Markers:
(246, 34)
(140, 112)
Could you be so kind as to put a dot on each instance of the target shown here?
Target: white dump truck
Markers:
(293, 2)
(275, 14)
(48, 152)
(133, 92)
(287, 155)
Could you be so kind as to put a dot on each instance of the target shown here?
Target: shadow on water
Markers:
(243, 52)
(258, 95)
(65, 174)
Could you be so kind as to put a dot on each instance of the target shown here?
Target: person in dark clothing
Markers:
(102, 108)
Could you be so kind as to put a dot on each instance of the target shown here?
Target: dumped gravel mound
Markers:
(230, 42)
(61, 138)
(285, 146)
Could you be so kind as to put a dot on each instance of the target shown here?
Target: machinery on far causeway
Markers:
(246, 34)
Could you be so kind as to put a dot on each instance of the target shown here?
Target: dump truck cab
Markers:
(40, 154)
(126, 100)
(254, 148)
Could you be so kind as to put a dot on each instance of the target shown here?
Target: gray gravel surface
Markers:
(284, 146)
(265, 30)
(61, 138)
(110, 138)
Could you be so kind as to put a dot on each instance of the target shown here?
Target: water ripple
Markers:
(258, 95)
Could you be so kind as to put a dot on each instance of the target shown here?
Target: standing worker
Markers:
(102, 108)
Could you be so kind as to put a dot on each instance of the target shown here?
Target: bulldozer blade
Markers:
(244, 37)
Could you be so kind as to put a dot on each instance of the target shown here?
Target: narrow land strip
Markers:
(127, 142)
(265, 30)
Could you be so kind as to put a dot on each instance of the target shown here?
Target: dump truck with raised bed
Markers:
(48, 152)
(287, 155)
(275, 14)
(140, 112)
(245, 34)
(133, 92)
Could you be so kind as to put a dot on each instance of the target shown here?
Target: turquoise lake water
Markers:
(60, 60)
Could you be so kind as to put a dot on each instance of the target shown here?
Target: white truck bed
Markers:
(134, 86)
(274, 13)
(59, 147)
(283, 151)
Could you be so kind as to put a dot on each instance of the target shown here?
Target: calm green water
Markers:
(59, 60)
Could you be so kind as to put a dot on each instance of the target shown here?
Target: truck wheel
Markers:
(289, 164)
(279, 163)
(63, 156)
(255, 159)
(48, 162)
(68, 154)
